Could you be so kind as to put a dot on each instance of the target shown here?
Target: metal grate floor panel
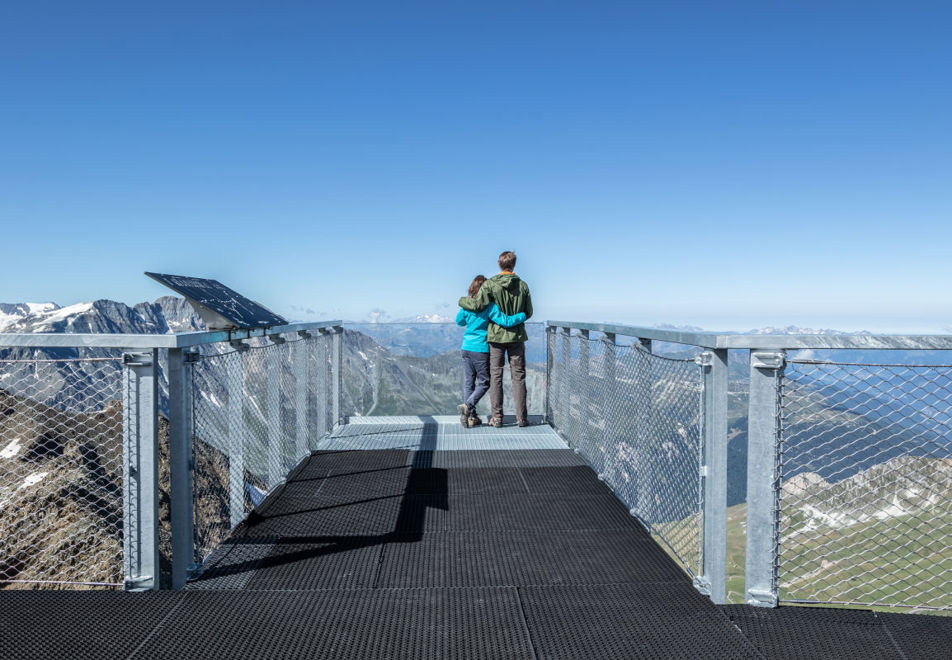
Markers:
(489, 458)
(233, 564)
(663, 620)
(98, 625)
(341, 563)
(383, 623)
(926, 637)
(440, 433)
(813, 632)
(463, 559)
(426, 553)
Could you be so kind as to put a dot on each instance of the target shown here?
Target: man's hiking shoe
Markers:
(495, 421)
(464, 415)
(474, 422)
(523, 423)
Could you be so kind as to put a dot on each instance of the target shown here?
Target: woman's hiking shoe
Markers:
(463, 415)
(495, 421)
(474, 422)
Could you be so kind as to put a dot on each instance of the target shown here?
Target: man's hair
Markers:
(507, 260)
(477, 282)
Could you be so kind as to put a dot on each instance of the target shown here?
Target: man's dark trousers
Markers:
(517, 369)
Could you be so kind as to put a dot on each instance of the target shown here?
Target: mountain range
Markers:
(388, 369)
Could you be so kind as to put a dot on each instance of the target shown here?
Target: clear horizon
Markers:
(728, 167)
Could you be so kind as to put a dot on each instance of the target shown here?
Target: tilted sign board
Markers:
(220, 307)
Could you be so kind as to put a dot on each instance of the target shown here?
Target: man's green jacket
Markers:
(511, 295)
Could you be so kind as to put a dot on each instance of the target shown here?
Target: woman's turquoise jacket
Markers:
(476, 323)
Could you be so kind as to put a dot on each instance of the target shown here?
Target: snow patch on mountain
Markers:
(902, 486)
(795, 330)
(433, 318)
(48, 318)
(16, 312)
(12, 449)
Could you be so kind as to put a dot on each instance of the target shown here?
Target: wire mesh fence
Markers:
(635, 417)
(416, 369)
(61, 468)
(258, 410)
(865, 469)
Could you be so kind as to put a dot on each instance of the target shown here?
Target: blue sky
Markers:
(727, 166)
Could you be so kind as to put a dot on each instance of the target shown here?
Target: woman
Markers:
(475, 351)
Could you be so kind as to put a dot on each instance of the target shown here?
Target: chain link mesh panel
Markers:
(635, 418)
(61, 468)
(416, 369)
(866, 484)
(257, 412)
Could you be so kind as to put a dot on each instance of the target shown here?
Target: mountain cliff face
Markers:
(417, 370)
(377, 382)
(11, 313)
(902, 486)
(167, 314)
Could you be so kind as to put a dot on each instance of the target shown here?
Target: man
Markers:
(511, 295)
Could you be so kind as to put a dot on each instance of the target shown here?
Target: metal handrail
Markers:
(721, 340)
(179, 340)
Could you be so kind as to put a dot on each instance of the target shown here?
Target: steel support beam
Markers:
(609, 388)
(584, 389)
(275, 452)
(337, 340)
(301, 444)
(713, 579)
(565, 415)
(140, 471)
(644, 504)
(549, 363)
(236, 436)
(181, 496)
(322, 379)
(763, 421)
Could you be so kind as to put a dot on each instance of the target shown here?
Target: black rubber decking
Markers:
(401, 554)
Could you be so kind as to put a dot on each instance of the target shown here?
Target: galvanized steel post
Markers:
(140, 471)
(323, 375)
(584, 388)
(549, 363)
(645, 506)
(310, 397)
(763, 430)
(609, 389)
(181, 496)
(713, 578)
(236, 434)
(301, 445)
(275, 452)
(336, 373)
(565, 416)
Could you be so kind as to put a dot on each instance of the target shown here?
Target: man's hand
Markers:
(479, 302)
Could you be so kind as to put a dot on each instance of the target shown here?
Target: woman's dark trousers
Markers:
(475, 378)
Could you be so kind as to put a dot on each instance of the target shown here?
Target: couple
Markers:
(494, 314)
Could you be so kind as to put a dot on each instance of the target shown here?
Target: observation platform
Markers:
(410, 537)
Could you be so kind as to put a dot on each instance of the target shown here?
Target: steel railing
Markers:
(848, 467)
(415, 369)
(97, 427)
(848, 479)
(61, 467)
(865, 473)
(640, 420)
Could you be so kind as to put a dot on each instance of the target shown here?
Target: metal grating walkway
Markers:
(434, 542)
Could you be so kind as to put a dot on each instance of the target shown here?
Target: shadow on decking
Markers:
(408, 526)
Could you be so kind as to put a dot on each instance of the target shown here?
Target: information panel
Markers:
(221, 308)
